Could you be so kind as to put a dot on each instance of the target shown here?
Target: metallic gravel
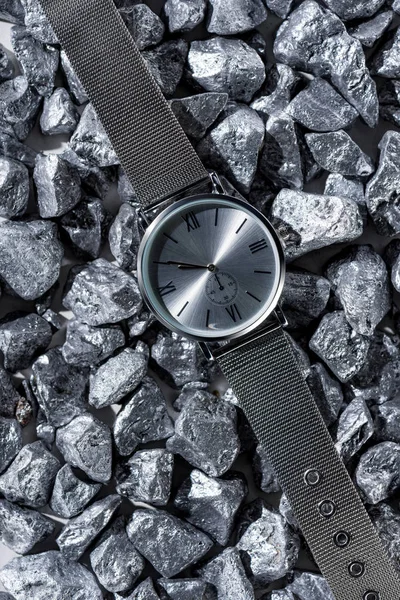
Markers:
(355, 428)
(59, 114)
(10, 441)
(22, 338)
(125, 237)
(21, 528)
(184, 15)
(91, 143)
(86, 345)
(14, 188)
(146, 28)
(229, 17)
(377, 473)
(70, 494)
(166, 63)
(227, 574)
(19, 107)
(197, 113)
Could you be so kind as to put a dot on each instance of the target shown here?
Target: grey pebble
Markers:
(309, 586)
(387, 524)
(392, 259)
(39, 61)
(226, 65)
(168, 543)
(226, 573)
(139, 323)
(10, 147)
(279, 595)
(144, 591)
(280, 7)
(146, 476)
(21, 528)
(387, 421)
(86, 443)
(356, 10)
(86, 345)
(22, 338)
(59, 114)
(75, 86)
(22, 407)
(125, 189)
(184, 15)
(10, 441)
(206, 434)
(185, 589)
(267, 545)
(355, 428)
(336, 152)
(79, 532)
(311, 221)
(6, 65)
(381, 190)
(197, 113)
(96, 181)
(386, 61)
(166, 63)
(70, 494)
(37, 22)
(12, 11)
(45, 432)
(341, 348)
(315, 40)
(14, 188)
(102, 293)
(30, 477)
(286, 511)
(146, 28)
(87, 226)
(338, 185)
(304, 297)
(48, 575)
(19, 107)
(58, 185)
(389, 98)
(143, 419)
(279, 88)
(321, 108)
(327, 392)
(125, 237)
(264, 474)
(368, 32)
(60, 388)
(229, 17)
(211, 504)
(377, 473)
(117, 377)
(233, 145)
(90, 141)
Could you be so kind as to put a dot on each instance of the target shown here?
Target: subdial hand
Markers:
(221, 287)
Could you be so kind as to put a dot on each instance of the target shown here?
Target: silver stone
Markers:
(114, 560)
(356, 10)
(86, 443)
(279, 595)
(267, 545)
(117, 377)
(278, 90)
(382, 189)
(96, 181)
(70, 494)
(315, 40)
(197, 113)
(360, 281)
(392, 259)
(339, 346)
(37, 23)
(102, 293)
(30, 477)
(87, 227)
(48, 575)
(21, 528)
(300, 355)
(387, 525)
(10, 147)
(146, 476)
(310, 221)
(144, 591)
(336, 152)
(305, 297)
(59, 114)
(9, 396)
(235, 16)
(10, 441)
(19, 106)
(60, 388)
(22, 338)
(386, 60)
(168, 543)
(206, 434)
(12, 11)
(389, 98)
(44, 431)
(286, 511)
(39, 61)
(166, 63)
(184, 15)
(90, 141)
(5, 596)
(387, 421)
(211, 504)
(125, 237)
(264, 475)
(226, 573)
(368, 32)
(86, 345)
(6, 65)
(378, 472)
(140, 322)
(75, 86)
(355, 428)
(143, 419)
(146, 28)
(321, 108)
(338, 185)
(25, 405)
(125, 189)
(185, 589)
(58, 185)
(226, 65)
(303, 584)
(79, 532)
(14, 188)
(232, 147)
(327, 392)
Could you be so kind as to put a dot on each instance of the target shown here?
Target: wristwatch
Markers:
(211, 268)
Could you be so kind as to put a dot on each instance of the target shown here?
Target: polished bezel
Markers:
(240, 204)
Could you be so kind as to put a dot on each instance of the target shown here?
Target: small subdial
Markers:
(221, 288)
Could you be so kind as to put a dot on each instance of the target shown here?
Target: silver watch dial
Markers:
(211, 267)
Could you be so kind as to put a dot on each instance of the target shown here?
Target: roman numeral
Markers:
(257, 246)
(208, 317)
(191, 221)
(233, 312)
(166, 289)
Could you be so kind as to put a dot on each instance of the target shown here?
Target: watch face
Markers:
(211, 267)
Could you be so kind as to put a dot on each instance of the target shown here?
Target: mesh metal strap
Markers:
(157, 156)
(266, 379)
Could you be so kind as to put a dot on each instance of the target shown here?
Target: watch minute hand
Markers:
(182, 265)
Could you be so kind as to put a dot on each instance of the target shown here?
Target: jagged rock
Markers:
(59, 114)
(166, 63)
(338, 185)
(229, 17)
(19, 106)
(386, 61)
(302, 583)
(368, 32)
(387, 524)
(146, 28)
(21, 528)
(10, 441)
(90, 141)
(305, 297)
(279, 88)
(37, 23)
(10, 147)
(377, 473)
(355, 428)
(326, 391)
(75, 86)
(226, 573)
(146, 476)
(86, 346)
(197, 113)
(125, 237)
(14, 188)
(22, 338)
(70, 494)
(264, 474)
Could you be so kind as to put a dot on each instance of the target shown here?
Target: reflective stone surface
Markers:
(86, 345)
(14, 188)
(146, 28)
(227, 574)
(21, 528)
(377, 473)
(10, 441)
(19, 106)
(22, 338)
(125, 237)
(355, 428)
(91, 143)
(59, 114)
(70, 494)
(228, 17)
(166, 63)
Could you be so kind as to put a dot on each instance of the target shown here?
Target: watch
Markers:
(211, 268)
